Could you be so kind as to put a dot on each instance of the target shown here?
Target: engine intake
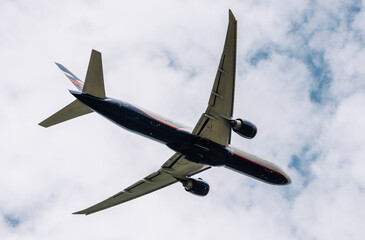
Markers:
(243, 128)
(196, 186)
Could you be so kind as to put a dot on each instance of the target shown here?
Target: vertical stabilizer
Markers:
(72, 77)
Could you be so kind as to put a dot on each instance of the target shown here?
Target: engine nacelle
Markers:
(196, 186)
(243, 128)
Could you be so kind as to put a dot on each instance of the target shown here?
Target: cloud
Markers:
(299, 79)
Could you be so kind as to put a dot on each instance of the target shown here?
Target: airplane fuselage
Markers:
(180, 139)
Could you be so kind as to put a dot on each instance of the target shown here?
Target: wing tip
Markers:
(82, 212)
(231, 15)
(42, 124)
(60, 66)
(96, 51)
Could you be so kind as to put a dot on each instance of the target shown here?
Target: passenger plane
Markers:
(196, 150)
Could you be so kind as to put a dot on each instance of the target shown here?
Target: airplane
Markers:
(196, 150)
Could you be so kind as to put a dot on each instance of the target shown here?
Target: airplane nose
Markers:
(288, 179)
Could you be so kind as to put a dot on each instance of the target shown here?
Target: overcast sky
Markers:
(300, 78)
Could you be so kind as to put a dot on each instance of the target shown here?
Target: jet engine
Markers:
(196, 186)
(243, 128)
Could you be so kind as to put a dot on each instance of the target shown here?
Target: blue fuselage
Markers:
(177, 137)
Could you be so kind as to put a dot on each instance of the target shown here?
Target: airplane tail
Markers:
(75, 80)
(94, 85)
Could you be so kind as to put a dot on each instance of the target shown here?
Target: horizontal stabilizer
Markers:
(73, 110)
(72, 77)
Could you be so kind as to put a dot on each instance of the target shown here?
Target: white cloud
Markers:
(163, 55)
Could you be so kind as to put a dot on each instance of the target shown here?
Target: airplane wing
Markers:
(177, 167)
(213, 124)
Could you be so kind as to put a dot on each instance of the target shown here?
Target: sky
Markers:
(300, 79)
